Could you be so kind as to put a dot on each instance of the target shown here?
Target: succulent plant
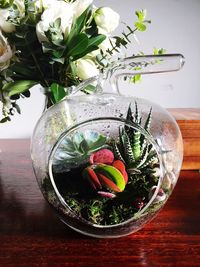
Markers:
(112, 175)
(77, 149)
(132, 147)
(115, 179)
(102, 156)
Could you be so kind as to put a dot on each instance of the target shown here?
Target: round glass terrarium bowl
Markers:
(106, 163)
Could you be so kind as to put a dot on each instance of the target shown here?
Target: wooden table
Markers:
(31, 234)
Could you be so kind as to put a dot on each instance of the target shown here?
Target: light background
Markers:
(175, 27)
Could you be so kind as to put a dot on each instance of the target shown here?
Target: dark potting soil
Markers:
(85, 201)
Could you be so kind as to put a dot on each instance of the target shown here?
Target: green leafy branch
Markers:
(9, 93)
(124, 40)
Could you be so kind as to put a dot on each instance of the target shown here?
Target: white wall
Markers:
(22, 125)
(175, 27)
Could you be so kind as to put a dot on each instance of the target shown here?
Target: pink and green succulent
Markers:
(106, 173)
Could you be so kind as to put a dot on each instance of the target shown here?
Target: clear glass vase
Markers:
(107, 163)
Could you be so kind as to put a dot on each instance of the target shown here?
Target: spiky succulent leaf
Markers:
(130, 119)
(143, 158)
(117, 152)
(148, 121)
(147, 128)
(137, 115)
(129, 116)
(133, 171)
(136, 148)
(121, 142)
(128, 152)
(126, 147)
(151, 158)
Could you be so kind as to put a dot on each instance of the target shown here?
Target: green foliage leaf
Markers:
(87, 51)
(140, 26)
(81, 20)
(5, 3)
(136, 78)
(23, 71)
(160, 51)
(120, 41)
(58, 92)
(18, 87)
(79, 24)
(93, 44)
(97, 40)
(5, 119)
(141, 15)
(78, 44)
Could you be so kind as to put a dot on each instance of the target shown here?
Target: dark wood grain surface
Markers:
(31, 235)
(188, 120)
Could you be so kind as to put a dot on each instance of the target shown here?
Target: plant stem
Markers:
(115, 46)
(37, 65)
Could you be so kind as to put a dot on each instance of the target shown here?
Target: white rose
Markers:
(80, 6)
(58, 9)
(106, 19)
(85, 68)
(5, 53)
(4, 14)
(44, 3)
(4, 24)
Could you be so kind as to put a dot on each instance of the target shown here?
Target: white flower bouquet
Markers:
(57, 44)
